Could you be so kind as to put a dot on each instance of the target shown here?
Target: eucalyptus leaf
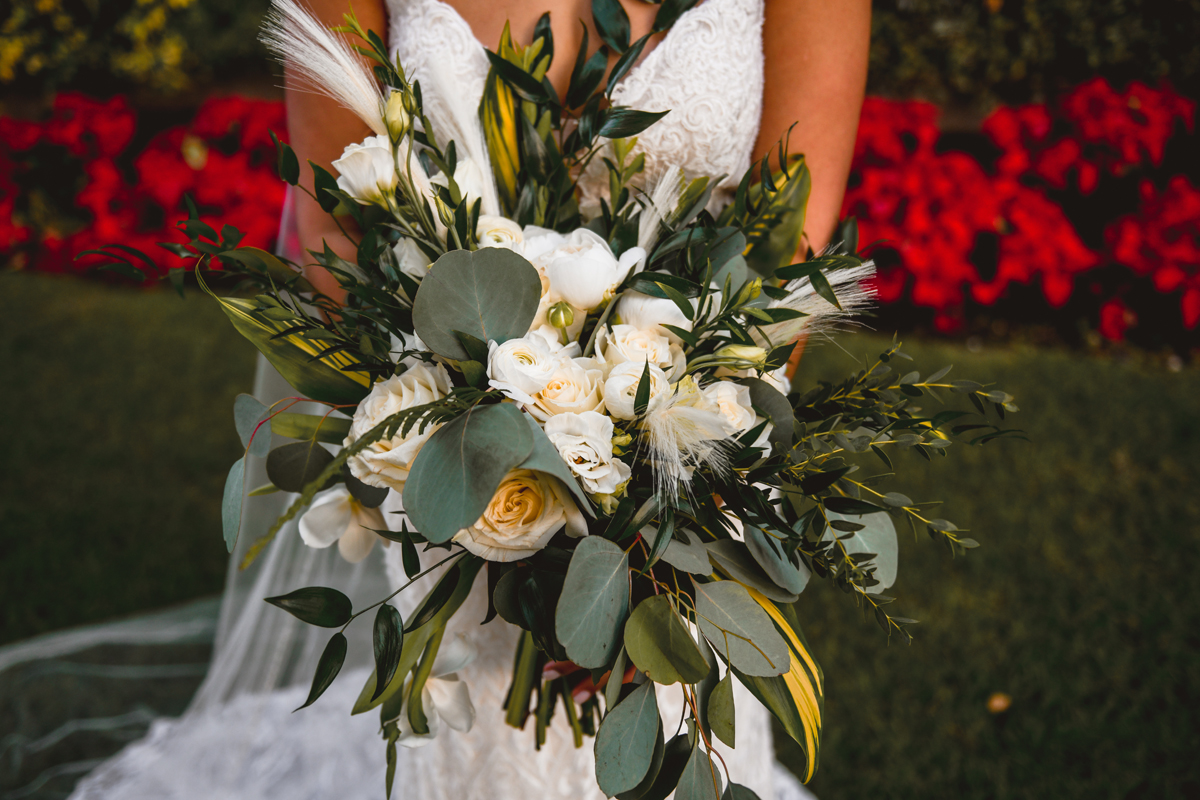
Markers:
(248, 416)
(769, 553)
(656, 762)
(878, 536)
(594, 602)
(457, 472)
(701, 780)
(735, 791)
(687, 557)
(721, 710)
(491, 294)
(660, 645)
(735, 560)
(739, 629)
(625, 742)
(231, 503)
(775, 405)
(675, 757)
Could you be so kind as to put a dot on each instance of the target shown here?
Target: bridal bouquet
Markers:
(588, 404)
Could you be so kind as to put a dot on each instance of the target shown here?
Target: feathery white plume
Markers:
(823, 316)
(323, 61)
(660, 205)
(685, 431)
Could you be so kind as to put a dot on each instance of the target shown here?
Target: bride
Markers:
(735, 75)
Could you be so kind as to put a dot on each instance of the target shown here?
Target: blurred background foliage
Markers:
(965, 53)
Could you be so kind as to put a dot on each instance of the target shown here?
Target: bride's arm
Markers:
(816, 71)
(319, 129)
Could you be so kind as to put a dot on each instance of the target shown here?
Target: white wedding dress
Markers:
(240, 741)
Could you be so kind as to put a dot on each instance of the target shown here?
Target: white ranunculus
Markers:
(732, 401)
(520, 368)
(527, 510)
(367, 170)
(585, 443)
(469, 177)
(620, 390)
(413, 263)
(336, 516)
(583, 270)
(648, 313)
(493, 231)
(386, 463)
(576, 386)
(444, 698)
(625, 343)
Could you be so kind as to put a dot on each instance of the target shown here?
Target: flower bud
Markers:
(561, 315)
(752, 356)
(396, 116)
(749, 292)
(444, 211)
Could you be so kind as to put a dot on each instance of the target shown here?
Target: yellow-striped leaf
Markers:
(498, 113)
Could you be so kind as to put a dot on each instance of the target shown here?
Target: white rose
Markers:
(585, 443)
(620, 390)
(367, 171)
(469, 178)
(385, 463)
(576, 386)
(584, 272)
(732, 401)
(492, 231)
(520, 368)
(413, 263)
(624, 343)
(649, 313)
(527, 510)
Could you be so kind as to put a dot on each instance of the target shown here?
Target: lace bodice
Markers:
(707, 71)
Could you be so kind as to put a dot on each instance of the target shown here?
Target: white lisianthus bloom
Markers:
(493, 231)
(444, 697)
(528, 508)
(386, 463)
(620, 390)
(576, 386)
(413, 262)
(583, 270)
(336, 516)
(469, 177)
(732, 401)
(778, 379)
(367, 171)
(520, 368)
(585, 443)
(625, 343)
(649, 313)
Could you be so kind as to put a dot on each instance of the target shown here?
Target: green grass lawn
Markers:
(1081, 605)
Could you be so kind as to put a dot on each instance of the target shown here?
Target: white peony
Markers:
(648, 313)
(336, 516)
(495, 231)
(444, 697)
(577, 385)
(386, 463)
(625, 343)
(620, 390)
(583, 270)
(520, 368)
(538, 243)
(732, 402)
(585, 443)
(367, 171)
(527, 510)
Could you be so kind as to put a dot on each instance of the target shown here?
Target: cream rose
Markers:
(625, 343)
(367, 171)
(583, 270)
(520, 368)
(385, 463)
(620, 390)
(576, 386)
(495, 231)
(732, 401)
(527, 510)
(585, 443)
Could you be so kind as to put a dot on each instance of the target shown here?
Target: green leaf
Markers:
(458, 470)
(248, 414)
(821, 285)
(324, 187)
(660, 645)
(850, 505)
(625, 742)
(670, 11)
(641, 398)
(734, 559)
(627, 60)
(720, 710)
(491, 294)
(775, 405)
(330, 429)
(616, 678)
(620, 123)
(735, 791)
(701, 780)
(388, 640)
(675, 757)
(769, 553)
(293, 466)
(612, 23)
(656, 761)
(408, 554)
(518, 79)
(594, 602)
(726, 606)
(688, 557)
(878, 536)
(316, 605)
(231, 503)
(775, 233)
(286, 163)
(328, 667)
